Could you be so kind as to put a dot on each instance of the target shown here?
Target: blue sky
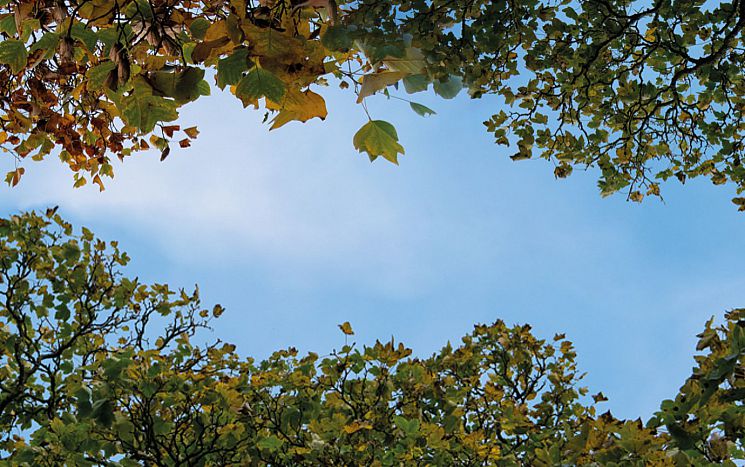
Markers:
(294, 232)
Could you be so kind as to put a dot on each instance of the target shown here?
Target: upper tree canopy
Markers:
(643, 90)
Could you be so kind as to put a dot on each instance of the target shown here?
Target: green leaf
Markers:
(260, 83)
(230, 69)
(182, 86)
(199, 28)
(422, 110)
(409, 427)
(337, 38)
(103, 412)
(85, 35)
(83, 400)
(378, 138)
(98, 74)
(416, 83)
(8, 25)
(450, 88)
(48, 43)
(271, 443)
(143, 110)
(13, 53)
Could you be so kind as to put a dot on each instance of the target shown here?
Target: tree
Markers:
(99, 369)
(644, 93)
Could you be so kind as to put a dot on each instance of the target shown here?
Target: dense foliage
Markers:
(644, 91)
(99, 369)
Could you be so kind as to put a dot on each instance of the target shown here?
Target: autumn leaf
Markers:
(412, 63)
(375, 82)
(299, 106)
(14, 176)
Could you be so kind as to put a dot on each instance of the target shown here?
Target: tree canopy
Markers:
(644, 91)
(97, 368)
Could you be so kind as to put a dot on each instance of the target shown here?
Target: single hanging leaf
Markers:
(378, 138)
(14, 176)
(14, 54)
(422, 110)
(260, 83)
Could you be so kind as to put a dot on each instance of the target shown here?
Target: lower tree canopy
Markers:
(643, 91)
(97, 368)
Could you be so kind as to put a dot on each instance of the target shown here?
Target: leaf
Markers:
(260, 83)
(86, 36)
(14, 54)
(83, 401)
(411, 63)
(8, 25)
(14, 176)
(143, 110)
(98, 74)
(422, 110)
(374, 82)
(203, 50)
(378, 138)
(230, 69)
(182, 86)
(356, 426)
(409, 427)
(300, 106)
(271, 443)
(416, 83)
(103, 412)
(346, 328)
(448, 89)
(337, 38)
(191, 132)
(198, 28)
(48, 43)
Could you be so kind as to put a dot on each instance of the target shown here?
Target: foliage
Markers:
(99, 369)
(643, 91)
(92, 78)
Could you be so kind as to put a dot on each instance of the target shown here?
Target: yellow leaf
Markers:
(357, 426)
(300, 106)
(97, 180)
(346, 328)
